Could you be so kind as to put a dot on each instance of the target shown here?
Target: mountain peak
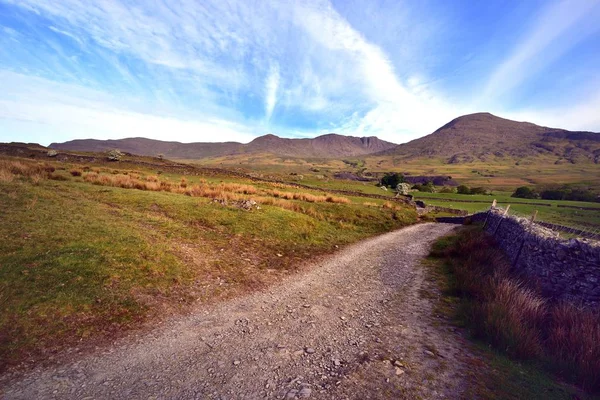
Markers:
(485, 137)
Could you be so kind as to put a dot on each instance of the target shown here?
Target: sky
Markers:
(225, 70)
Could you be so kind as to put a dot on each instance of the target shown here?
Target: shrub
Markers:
(462, 189)
(478, 190)
(76, 172)
(447, 189)
(427, 188)
(391, 179)
(554, 194)
(525, 192)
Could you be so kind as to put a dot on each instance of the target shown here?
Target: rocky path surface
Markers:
(355, 326)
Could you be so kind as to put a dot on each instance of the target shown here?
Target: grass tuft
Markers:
(513, 317)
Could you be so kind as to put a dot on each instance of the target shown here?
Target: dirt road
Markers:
(334, 332)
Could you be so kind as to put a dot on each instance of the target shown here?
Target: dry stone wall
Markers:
(561, 269)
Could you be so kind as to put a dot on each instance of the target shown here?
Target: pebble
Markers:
(429, 353)
(305, 392)
(309, 350)
(237, 362)
(399, 371)
(336, 362)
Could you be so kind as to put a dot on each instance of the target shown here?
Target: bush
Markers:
(478, 190)
(567, 193)
(447, 189)
(462, 189)
(426, 188)
(525, 192)
(554, 194)
(392, 179)
(76, 172)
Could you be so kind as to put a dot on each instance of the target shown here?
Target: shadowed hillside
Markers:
(485, 137)
(326, 146)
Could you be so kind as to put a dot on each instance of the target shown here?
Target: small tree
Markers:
(525, 192)
(462, 189)
(392, 179)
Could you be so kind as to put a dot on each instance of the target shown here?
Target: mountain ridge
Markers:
(327, 146)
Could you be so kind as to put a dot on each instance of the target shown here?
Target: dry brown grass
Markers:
(308, 197)
(6, 176)
(574, 341)
(34, 171)
(291, 206)
(512, 319)
(515, 318)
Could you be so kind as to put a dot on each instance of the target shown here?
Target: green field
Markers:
(548, 212)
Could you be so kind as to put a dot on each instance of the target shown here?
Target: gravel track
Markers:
(333, 332)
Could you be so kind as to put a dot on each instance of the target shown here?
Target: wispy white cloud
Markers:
(558, 28)
(271, 86)
(67, 34)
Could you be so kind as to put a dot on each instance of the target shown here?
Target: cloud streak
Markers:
(558, 28)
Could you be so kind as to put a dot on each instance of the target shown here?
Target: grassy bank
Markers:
(88, 250)
(513, 318)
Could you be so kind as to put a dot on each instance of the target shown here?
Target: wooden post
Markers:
(501, 220)
(488, 213)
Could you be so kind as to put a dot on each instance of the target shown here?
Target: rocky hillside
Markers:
(326, 146)
(485, 137)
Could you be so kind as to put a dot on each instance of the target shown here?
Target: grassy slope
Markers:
(81, 260)
(498, 173)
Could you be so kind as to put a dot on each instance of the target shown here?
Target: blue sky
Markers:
(200, 70)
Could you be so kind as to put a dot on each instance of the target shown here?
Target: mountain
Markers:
(326, 146)
(486, 137)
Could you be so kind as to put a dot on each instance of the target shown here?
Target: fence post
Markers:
(501, 220)
(488, 213)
